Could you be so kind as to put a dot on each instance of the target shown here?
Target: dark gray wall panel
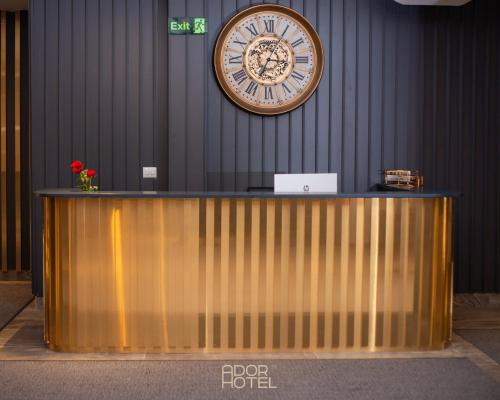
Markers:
(178, 106)
(336, 82)
(92, 42)
(161, 91)
(37, 113)
(51, 144)
(460, 107)
(146, 89)
(133, 55)
(402, 86)
(65, 96)
(195, 92)
(96, 96)
(78, 84)
(105, 66)
(119, 107)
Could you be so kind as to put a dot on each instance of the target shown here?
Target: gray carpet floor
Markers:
(295, 379)
(486, 340)
(14, 296)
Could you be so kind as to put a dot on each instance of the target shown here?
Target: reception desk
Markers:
(247, 272)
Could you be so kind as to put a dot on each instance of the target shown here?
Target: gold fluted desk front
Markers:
(243, 272)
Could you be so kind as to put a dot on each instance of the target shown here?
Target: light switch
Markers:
(149, 172)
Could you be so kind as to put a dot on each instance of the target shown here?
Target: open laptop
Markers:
(305, 183)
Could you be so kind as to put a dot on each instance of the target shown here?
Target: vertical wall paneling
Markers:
(146, 88)
(213, 107)
(492, 276)
(133, 117)
(3, 137)
(323, 93)
(296, 164)
(64, 91)
(362, 178)
(403, 79)
(119, 90)
(310, 128)
(161, 93)
(17, 136)
(389, 103)
(459, 99)
(177, 106)
(403, 86)
(25, 145)
(78, 131)
(256, 126)
(349, 108)
(92, 83)
(52, 94)
(336, 78)
(242, 155)
(37, 117)
(105, 65)
(229, 129)
(195, 103)
(375, 90)
(14, 140)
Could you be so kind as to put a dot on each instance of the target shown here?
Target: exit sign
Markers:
(187, 26)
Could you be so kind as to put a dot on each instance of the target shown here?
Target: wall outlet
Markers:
(149, 172)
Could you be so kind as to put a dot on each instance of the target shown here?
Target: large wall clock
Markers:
(268, 59)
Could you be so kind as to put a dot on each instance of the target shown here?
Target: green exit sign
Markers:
(187, 25)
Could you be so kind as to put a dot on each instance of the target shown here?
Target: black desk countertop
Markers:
(76, 193)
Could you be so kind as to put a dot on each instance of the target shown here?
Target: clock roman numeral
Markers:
(268, 93)
(252, 88)
(239, 76)
(269, 25)
(252, 29)
(243, 44)
(235, 60)
(285, 87)
(298, 42)
(302, 59)
(297, 76)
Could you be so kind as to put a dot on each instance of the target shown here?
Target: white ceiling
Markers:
(13, 5)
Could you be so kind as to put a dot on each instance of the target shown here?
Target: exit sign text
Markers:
(187, 25)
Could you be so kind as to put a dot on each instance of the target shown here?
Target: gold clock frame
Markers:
(317, 49)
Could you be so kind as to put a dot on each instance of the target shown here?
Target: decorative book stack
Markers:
(403, 179)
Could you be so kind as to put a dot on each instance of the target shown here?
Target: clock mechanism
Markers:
(269, 60)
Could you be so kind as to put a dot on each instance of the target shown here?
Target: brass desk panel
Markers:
(247, 275)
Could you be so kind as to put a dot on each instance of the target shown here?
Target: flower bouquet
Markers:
(85, 176)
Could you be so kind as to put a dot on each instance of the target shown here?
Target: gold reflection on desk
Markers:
(247, 275)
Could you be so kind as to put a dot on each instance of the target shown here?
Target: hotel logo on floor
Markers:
(252, 376)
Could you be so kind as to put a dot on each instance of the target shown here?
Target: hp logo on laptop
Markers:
(306, 188)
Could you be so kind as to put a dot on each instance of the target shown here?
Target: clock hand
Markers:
(263, 68)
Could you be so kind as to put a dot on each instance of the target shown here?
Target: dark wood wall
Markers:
(15, 190)
(403, 86)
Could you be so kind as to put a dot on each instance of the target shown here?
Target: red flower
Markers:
(91, 173)
(77, 166)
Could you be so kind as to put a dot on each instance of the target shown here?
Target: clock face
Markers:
(268, 59)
